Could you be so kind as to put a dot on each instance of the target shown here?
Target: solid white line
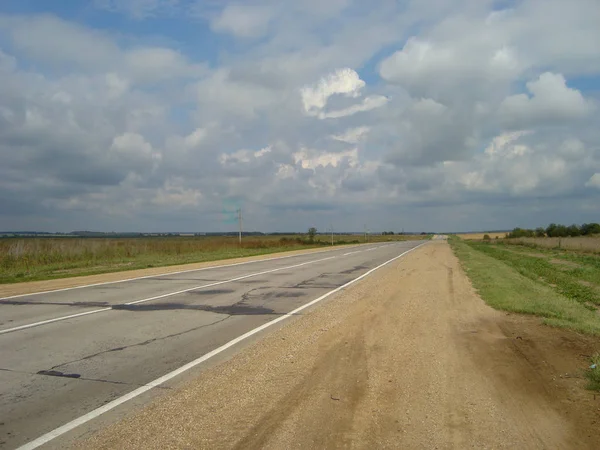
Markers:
(57, 319)
(169, 376)
(95, 311)
(170, 273)
(351, 253)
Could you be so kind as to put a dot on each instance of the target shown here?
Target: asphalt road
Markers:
(57, 364)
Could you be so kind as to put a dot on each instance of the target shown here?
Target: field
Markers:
(585, 244)
(561, 286)
(557, 279)
(29, 259)
(479, 236)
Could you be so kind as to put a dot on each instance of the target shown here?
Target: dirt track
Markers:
(408, 358)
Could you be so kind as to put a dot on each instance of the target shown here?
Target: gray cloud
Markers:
(467, 132)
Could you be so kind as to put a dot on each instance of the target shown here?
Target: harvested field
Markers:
(476, 236)
(586, 244)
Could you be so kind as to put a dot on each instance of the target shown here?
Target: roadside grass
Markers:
(32, 259)
(564, 280)
(581, 266)
(593, 373)
(525, 284)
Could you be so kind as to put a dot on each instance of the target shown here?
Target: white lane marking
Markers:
(95, 311)
(169, 376)
(57, 319)
(168, 273)
(351, 253)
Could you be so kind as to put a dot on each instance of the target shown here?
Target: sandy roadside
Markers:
(408, 358)
(7, 290)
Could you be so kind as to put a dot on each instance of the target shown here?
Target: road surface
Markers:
(409, 358)
(64, 354)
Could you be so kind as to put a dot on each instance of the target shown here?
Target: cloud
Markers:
(367, 104)
(352, 135)
(343, 81)
(594, 181)
(244, 21)
(60, 44)
(138, 9)
(550, 101)
(47, 38)
(312, 159)
(438, 114)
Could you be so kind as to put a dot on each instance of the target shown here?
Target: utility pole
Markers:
(239, 211)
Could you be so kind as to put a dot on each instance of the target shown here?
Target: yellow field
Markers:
(473, 236)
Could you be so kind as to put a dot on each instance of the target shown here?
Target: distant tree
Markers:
(521, 232)
(588, 229)
(551, 230)
(573, 230)
(540, 232)
(312, 232)
(562, 231)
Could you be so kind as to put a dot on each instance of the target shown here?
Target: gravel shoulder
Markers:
(410, 357)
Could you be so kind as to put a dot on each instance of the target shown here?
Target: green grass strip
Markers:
(506, 284)
(566, 282)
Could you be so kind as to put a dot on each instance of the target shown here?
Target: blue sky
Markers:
(417, 114)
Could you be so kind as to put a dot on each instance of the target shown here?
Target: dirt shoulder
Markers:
(410, 357)
(7, 290)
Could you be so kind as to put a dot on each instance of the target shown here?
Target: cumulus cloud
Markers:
(352, 135)
(551, 100)
(367, 104)
(594, 181)
(245, 21)
(311, 159)
(471, 118)
(343, 81)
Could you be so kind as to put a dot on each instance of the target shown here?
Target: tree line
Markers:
(557, 230)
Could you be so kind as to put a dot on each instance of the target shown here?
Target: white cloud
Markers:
(594, 181)
(243, 155)
(139, 122)
(311, 159)
(175, 194)
(49, 39)
(431, 68)
(367, 104)
(550, 100)
(132, 151)
(352, 135)
(59, 43)
(245, 21)
(343, 81)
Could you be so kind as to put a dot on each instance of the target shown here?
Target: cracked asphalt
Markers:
(55, 372)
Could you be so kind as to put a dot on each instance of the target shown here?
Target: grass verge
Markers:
(593, 373)
(512, 283)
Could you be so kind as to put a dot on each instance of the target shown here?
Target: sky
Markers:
(168, 115)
